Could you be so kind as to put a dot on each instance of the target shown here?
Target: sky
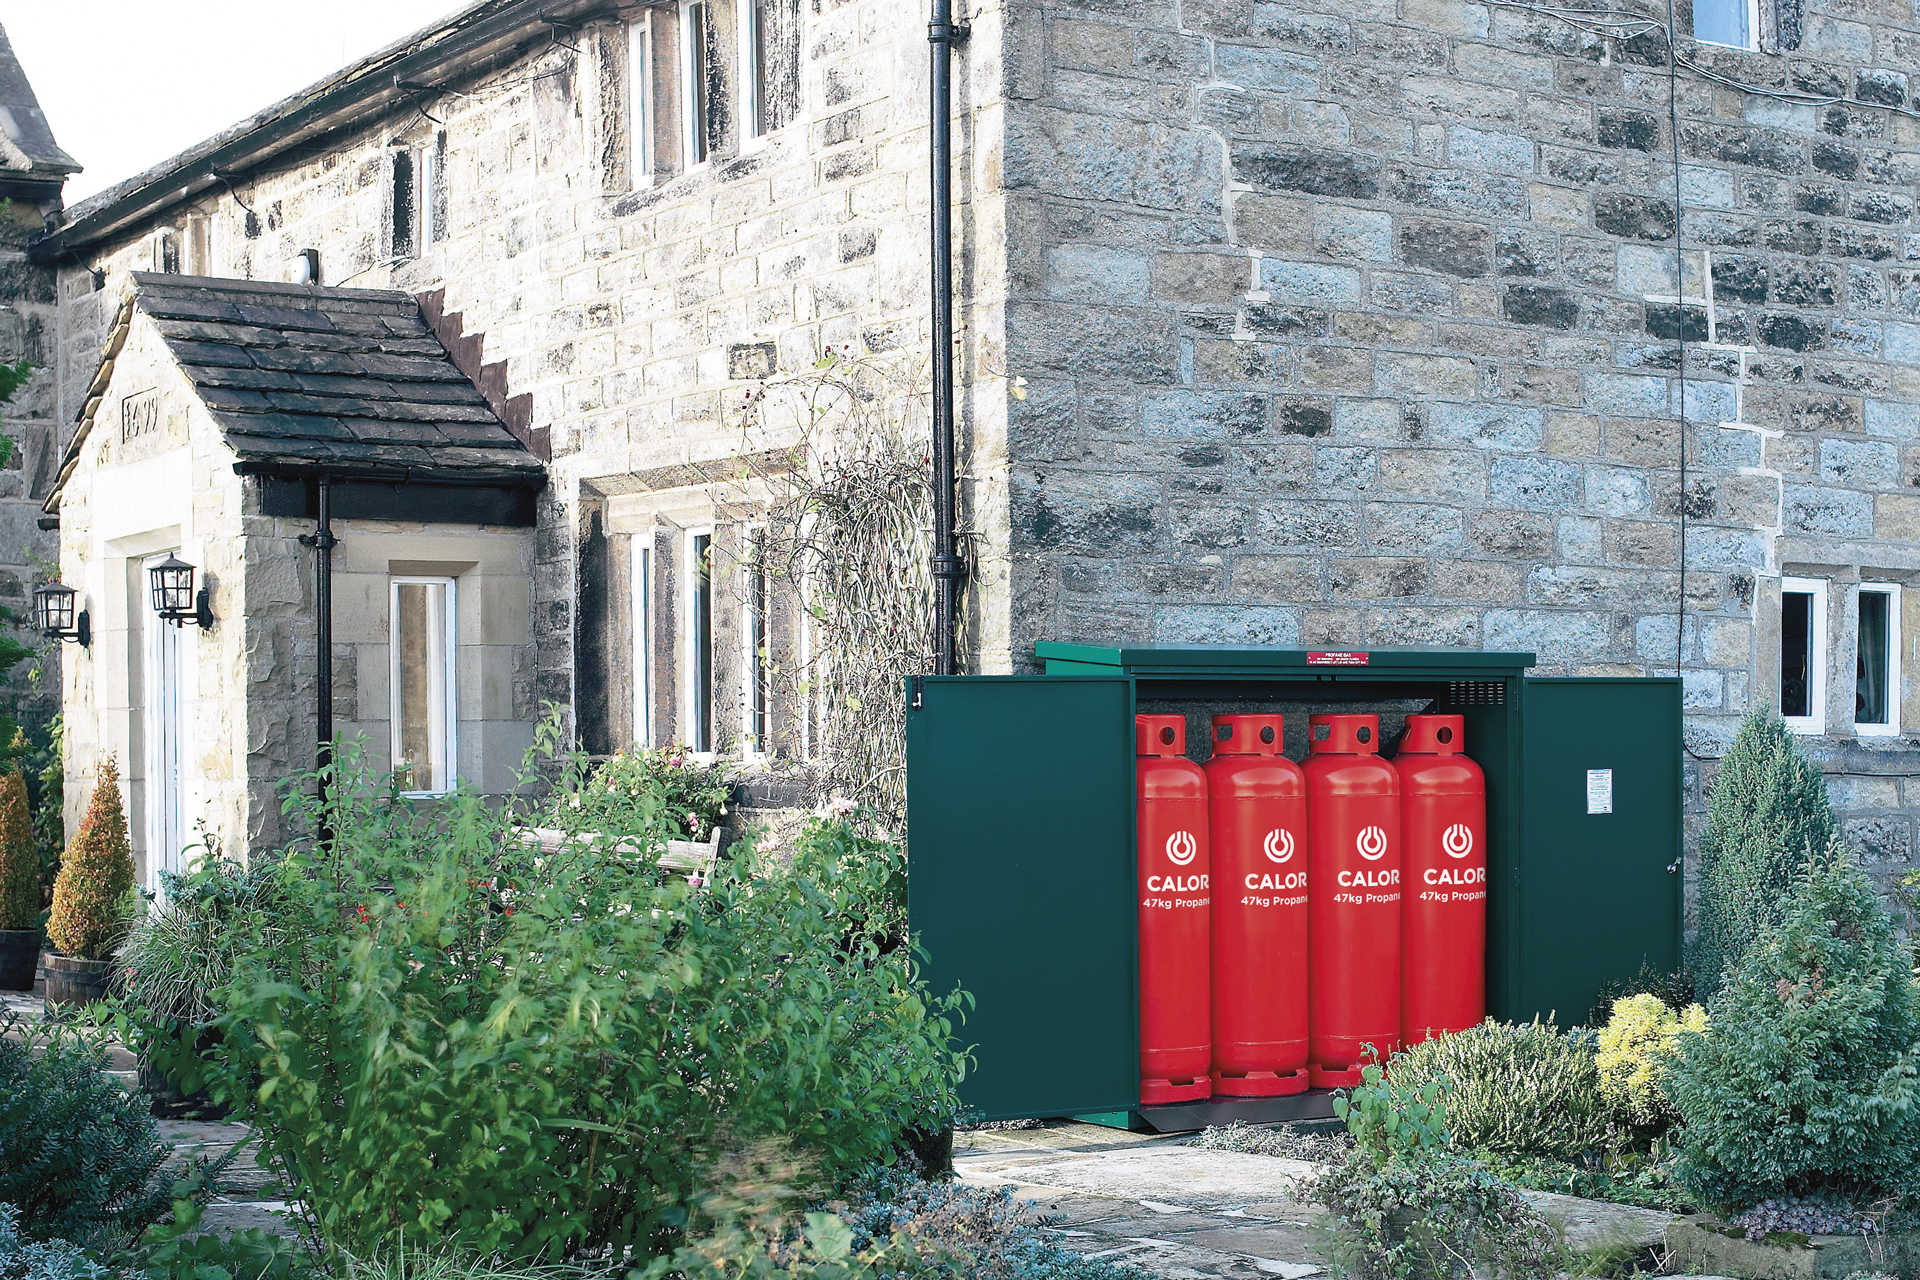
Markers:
(136, 81)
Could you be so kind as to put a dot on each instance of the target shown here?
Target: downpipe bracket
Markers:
(948, 33)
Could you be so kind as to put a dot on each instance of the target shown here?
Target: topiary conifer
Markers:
(19, 859)
(94, 876)
(1767, 816)
(1809, 1078)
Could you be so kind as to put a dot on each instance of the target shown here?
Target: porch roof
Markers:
(311, 380)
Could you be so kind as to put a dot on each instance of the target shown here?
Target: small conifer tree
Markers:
(1809, 1078)
(94, 876)
(19, 859)
(1767, 816)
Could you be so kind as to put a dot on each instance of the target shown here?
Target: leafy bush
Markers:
(1285, 1141)
(175, 958)
(1514, 1090)
(1636, 1049)
(660, 791)
(79, 1159)
(19, 858)
(527, 1055)
(1808, 1080)
(1390, 1118)
(42, 1260)
(1675, 990)
(94, 876)
(181, 1250)
(1767, 816)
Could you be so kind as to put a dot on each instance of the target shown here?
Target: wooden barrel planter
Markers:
(73, 981)
(169, 1103)
(19, 958)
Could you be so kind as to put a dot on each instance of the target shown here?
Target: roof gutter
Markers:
(385, 81)
(364, 473)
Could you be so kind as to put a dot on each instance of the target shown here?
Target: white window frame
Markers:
(753, 76)
(640, 99)
(446, 764)
(755, 634)
(642, 570)
(693, 116)
(697, 672)
(426, 176)
(1817, 658)
(1753, 27)
(1891, 728)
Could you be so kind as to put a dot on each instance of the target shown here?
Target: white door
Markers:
(162, 674)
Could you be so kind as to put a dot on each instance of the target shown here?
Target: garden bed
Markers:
(1707, 1246)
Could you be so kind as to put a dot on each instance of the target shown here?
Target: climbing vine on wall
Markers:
(847, 535)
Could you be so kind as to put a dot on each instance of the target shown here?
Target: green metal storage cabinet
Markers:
(1021, 839)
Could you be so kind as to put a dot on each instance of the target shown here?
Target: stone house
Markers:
(216, 409)
(1458, 322)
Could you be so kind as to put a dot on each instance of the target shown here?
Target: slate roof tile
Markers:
(315, 375)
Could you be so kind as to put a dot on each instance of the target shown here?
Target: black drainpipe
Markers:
(323, 542)
(946, 565)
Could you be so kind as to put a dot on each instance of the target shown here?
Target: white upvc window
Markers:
(1876, 700)
(753, 70)
(643, 640)
(640, 99)
(693, 83)
(699, 641)
(755, 671)
(421, 640)
(1803, 654)
(1734, 24)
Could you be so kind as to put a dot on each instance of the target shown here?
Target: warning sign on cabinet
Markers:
(1599, 791)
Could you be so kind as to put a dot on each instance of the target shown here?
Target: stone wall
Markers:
(27, 552)
(1359, 324)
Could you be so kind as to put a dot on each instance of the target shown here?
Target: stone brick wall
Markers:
(1359, 324)
(27, 328)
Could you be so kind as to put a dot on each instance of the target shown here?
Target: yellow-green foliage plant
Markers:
(19, 859)
(94, 875)
(1636, 1048)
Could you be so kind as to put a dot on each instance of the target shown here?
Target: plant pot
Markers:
(19, 958)
(169, 1103)
(77, 982)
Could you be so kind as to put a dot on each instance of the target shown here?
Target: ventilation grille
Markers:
(1476, 693)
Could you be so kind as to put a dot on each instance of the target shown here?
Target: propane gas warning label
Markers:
(1342, 659)
(1599, 791)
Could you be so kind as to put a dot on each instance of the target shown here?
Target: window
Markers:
(693, 82)
(770, 62)
(1733, 23)
(640, 101)
(433, 190)
(1876, 697)
(700, 640)
(642, 641)
(753, 68)
(402, 204)
(420, 647)
(753, 633)
(1803, 654)
(199, 261)
(166, 253)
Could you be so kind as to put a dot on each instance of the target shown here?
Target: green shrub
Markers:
(1767, 816)
(176, 957)
(95, 875)
(1636, 1052)
(1807, 1081)
(1514, 1090)
(1392, 1118)
(527, 1055)
(79, 1159)
(658, 791)
(1675, 990)
(22, 1259)
(19, 857)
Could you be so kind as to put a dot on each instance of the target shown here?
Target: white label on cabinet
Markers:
(1599, 791)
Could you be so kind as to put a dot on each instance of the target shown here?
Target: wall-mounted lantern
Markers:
(171, 582)
(53, 614)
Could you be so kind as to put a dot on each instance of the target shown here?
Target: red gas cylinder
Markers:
(1353, 847)
(1443, 922)
(1257, 800)
(1176, 1033)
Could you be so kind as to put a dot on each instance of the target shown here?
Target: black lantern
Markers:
(53, 614)
(171, 584)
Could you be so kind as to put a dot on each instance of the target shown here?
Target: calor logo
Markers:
(1371, 843)
(1181, 848)
(1279, 845)
(1458, 841)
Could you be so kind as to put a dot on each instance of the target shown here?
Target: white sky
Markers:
(127, 83)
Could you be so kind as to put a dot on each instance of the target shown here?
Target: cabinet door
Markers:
(1599, 867)
(1020, 882)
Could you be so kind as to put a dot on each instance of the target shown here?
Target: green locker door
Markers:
(1599, 866)
(1020, 882)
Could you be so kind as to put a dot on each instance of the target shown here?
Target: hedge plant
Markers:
(1767, 816)
(1810, 1078)
(1637, 1047)
(19, 857)
(1513, 1089)
(94, 875)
